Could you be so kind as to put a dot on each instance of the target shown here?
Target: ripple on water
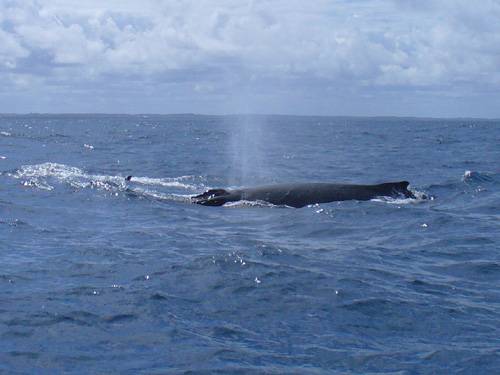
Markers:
(479, 271)
(98, 281)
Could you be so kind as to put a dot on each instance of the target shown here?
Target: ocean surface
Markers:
(103, 276)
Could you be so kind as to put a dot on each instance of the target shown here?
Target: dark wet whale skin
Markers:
(303, 194)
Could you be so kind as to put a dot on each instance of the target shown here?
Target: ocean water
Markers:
(100, 275)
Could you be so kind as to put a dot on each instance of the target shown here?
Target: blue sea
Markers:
(103, 276)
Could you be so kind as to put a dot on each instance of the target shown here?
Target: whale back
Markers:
(303, 194)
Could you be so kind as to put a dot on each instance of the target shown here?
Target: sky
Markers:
(364, 58)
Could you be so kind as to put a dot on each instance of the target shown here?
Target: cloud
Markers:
(11, 50)
(214, 48)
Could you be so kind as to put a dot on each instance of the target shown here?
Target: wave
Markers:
(40, 175)
(475, 176)
(46, 176)
(469, 182)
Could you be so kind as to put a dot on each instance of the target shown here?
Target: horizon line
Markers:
(2, 114)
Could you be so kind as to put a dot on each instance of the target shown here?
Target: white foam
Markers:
(37, 175)
(398, 201)
(245, 203)
(166, 182)
(41, 175)
(391, 200)
(56, 170)
(6, 134)
(38, 185)
(419, 197)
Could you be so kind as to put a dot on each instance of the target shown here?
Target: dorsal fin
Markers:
(402, 188)
(403, 185)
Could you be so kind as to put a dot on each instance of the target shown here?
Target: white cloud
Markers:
(10, 50)
(265, 45)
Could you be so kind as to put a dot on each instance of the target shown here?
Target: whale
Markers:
(303, 194)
